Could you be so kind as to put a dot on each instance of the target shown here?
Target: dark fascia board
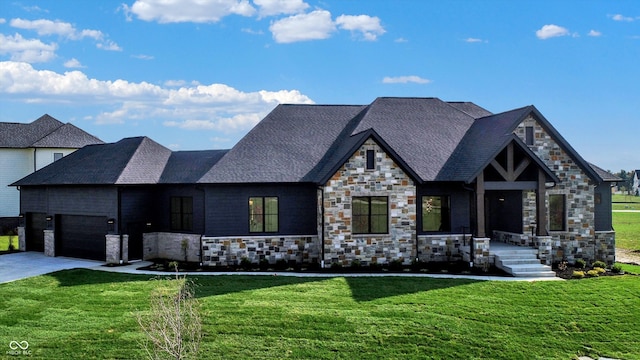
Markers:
(364, 136)
(515, 139)
(564, 144)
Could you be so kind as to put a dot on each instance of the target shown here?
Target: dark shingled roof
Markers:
(187, 167)
(45, 132)
(285, 146)
(137, 160)
(604, 174)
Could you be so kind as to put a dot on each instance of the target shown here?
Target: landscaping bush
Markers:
(356, 265)
(599, 270)
(616, 268)
(578, 274)
(264, 264)
(593, 273)
(246, 264)
(600, 264)
(395, 265)
(336, 266)
(580, 264)
(281, 265)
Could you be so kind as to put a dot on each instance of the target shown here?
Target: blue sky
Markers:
(196, 74)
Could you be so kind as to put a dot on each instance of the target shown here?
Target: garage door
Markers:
(81, 236)
(36, 224)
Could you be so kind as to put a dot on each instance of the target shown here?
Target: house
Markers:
(635, 187)
(25, 148)
(399, 179)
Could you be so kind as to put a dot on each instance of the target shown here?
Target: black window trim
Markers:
(264, 214)
(446, 229)
(182, 226)
(369, 215)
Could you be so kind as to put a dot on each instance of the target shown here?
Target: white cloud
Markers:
(198, 11)
(551, 30)
(315, 25)
(47, 27)
(620, 17)
(594, 33)
(368, 26)
(142, 57)
(405, 80)
(401, 40)
(73, 63)
(214, 106)
(3, 20)
(475, 40)
(278, 7)
(109, 46)
(27, 50)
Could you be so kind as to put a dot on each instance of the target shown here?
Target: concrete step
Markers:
(535, 274)
(509, 261)
(508, 252)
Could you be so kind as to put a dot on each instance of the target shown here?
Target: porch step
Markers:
(521, 262)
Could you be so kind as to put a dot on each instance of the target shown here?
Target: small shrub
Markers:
(336, 266)
(578, 274)
(246, 264)
(599, 270)
(263, 264)
(281, 265)
(600, 264)
(617, 268)
(593, 273)
(395, 265)
(417, 265)
(562, 265)
(375, 267)
(356, 265)
(580, 264)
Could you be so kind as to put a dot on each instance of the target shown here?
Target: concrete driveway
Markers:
(22, 265)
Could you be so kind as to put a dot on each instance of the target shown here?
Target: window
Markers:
(556, 213)
(528, 132)
(371, 159)
(181, 213)
(263, 214)
(436, 213)
(57, 156)
(370, 215)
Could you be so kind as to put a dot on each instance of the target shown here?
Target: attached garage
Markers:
(36, 223)
(81, 236)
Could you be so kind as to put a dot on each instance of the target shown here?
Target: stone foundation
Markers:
(22, 239)
(514, 238)
(380, 249)
(171, 246)
(443, 247)
(224, 251)
(605, 246)
(481, 256)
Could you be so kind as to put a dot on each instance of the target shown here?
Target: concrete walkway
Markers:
(22, 265)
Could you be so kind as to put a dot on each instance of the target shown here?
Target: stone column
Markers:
(481, 251)
(49, 243)
(113, 249)
(545, 249)
(22, 240)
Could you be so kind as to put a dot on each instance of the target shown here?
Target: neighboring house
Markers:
(25, 148)
(635, 187)
(400, 179)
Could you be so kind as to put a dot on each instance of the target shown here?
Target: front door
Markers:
(503, 211)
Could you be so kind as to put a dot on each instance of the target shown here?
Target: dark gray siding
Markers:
(164, 204)
(460, 204)
(603, 207)
(76, 200)
(227, 208)
(138, 204)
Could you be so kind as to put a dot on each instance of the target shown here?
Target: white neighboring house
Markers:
(635, 187)
(25, 148)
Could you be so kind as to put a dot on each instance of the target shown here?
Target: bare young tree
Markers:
(173, 326)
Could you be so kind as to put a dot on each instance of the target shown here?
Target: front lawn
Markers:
(90, 314)
(627, 227)
(4, 242)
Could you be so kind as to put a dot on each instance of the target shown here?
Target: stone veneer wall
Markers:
(606, 246)
(443, 247)
(352, 179)
(169, 246)
(578, 241)
(223, 251)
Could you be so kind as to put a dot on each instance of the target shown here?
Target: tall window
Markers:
(181, 213)
(371, 159)
(436, 213)
(557, 210)
(370, 215)
(263, 214)
(528, 135)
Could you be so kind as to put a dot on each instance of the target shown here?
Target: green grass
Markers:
(632, 202)
(4, 242)
(627, 227)
(630, 269)
(89, 314)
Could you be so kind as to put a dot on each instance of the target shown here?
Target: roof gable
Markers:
(187, 167)
(129, 161)
(46, 131)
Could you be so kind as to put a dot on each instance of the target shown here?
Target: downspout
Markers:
(204, 218)
(34, 159)
(471, 252)
(119, 227)
(321, 225)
